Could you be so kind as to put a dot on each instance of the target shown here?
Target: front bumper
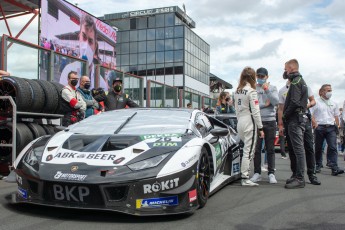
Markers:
(153, 196)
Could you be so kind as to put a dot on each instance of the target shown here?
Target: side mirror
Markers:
(219, 132)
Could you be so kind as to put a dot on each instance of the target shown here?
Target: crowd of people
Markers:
(307, 123)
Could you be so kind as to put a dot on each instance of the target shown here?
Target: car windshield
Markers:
(146, 121)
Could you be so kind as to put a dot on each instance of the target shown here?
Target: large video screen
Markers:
(71, 31)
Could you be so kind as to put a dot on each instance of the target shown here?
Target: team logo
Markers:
(161, 186)
(74, 168)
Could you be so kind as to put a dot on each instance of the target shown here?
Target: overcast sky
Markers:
(261, 33)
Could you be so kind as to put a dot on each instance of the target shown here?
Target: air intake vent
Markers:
(116, 193)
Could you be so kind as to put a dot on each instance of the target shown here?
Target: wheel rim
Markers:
(204, 177)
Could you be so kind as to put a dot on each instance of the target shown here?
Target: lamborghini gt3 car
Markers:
(136, 161)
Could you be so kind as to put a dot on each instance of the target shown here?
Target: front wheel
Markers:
(204, 180)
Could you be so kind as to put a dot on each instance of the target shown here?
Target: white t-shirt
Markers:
(284, 91)
(325, 111)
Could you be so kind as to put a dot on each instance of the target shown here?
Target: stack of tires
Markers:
(35, 96)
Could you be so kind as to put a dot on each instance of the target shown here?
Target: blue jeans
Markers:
(329, 134)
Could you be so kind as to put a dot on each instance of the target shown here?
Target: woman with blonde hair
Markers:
(249, 120)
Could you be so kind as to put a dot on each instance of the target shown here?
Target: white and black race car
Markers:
(136, 161)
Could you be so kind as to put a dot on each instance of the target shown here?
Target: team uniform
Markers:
(73, 106)
(115, 101)
(249, 121)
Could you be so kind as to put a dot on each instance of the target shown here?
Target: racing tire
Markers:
(48, 129)
(58, 88)
(204, 178)
(36, 129)
(37, 95)
(51, 96)
(24, 136)
(19, 90)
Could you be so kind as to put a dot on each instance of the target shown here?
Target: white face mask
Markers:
(328, 95)
(86, 52)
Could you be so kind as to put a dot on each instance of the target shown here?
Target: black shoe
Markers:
(313, 180)
(337, 172)
(292, 178)
(296, 183)
(318, 169)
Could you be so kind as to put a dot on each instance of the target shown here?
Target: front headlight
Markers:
(148, 163)
(33, 157)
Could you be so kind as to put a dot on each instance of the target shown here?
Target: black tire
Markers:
(36, 129)
(48, 129)
(38, 97)
(204, 178)
(58, 87)
(23, 137)
(51, 96)
(19, 90)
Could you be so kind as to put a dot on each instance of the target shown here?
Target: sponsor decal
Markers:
(23, 193)
(19, 179)
(74, 168)
(70, 193)
(165, 144)
(236, 168)
(187, 162)
(218, 154)
(69, 176)
(256, 102)
(91, 156)
(161, 186)
(192, 195)
(161, 136)
(157, 202)
(118, 161)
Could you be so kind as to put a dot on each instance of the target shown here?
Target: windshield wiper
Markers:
(124, 123)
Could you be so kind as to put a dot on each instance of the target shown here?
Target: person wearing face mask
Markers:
(72, 106)
(115, 99)
(84, 89)
(268, 99)
(223, 103)
(326, 124)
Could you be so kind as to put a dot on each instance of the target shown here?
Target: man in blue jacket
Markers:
(84, 89)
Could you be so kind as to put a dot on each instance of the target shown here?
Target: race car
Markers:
(139, 161)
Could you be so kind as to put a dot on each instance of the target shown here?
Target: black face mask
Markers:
(227, 99)
(285, 75)
(117, 88)
(74, 82)
(87, 85)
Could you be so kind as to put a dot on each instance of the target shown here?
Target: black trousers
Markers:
(269, 128)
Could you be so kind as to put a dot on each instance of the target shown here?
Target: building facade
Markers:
(159, 44)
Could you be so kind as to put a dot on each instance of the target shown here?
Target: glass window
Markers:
(142, 35)
(133, 36)
(151, 34)
(152, 22)
(151, 70)
(133, 70)
(159, 45)
(169, 19)
(160, 20)
(160, 69)
(125, 68)
(151, 58)
(178, 31)
(178, 68)
(124, 59)
(142, 58)
(133, 59)
(142, 70)
(169, 45)
(169, 68)
(125, 48)
(142, 24)
(169, 56)
(178, 43)
(178, 55)
(118, 60)
(151, 46)
(169, 32)
(178, 21)
(125, 36)
(118, 37)
(159, 57)
(133, 47)
(133, 23)
(142, 46)
(160, 33)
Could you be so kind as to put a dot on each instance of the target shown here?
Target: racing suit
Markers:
(295, 122)
(73, 106)
(249, 120)
(115, 101)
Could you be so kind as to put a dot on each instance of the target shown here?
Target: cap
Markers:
(262, 71)
(117, 79)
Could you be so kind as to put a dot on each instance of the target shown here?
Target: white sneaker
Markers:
(256, 177)
(263, 169)
(272, 179)
(247, 182)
